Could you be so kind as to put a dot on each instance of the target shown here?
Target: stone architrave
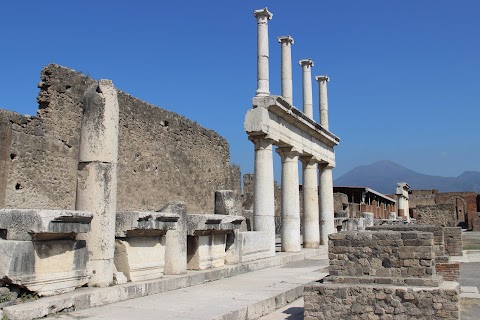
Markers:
(326, 204)
(262, 15)
(311, 229)
(307, 92)
(97, 176)
(290, 200)
(286, 72)
(323, 99)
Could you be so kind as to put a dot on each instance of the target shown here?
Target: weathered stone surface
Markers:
(226, 202)
(151, 223)
(176, 246)
(247, 246)
(334, 301)
(47, 267)
(140, 258)
(206, 251)
(40, 154)
(453, 241)
(207, 223)
(32, 224)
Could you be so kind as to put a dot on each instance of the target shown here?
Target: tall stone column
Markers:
(97, 176)
(307, 65)
(327, 224)
(323, 99)
(263, 192)
(262, 15)
(286, 57)
(311, 228)
(290, 200)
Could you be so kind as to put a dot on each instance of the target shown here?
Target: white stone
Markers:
(326, 205)
(307, 92)
(286, 71)
(323, 100)
(119, 278)
(176, 244)
(263, 87)
(402, 200)
(290, 201)
(97, 176)
(311, 228)
(263, 201)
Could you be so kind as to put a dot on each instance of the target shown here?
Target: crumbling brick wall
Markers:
(162, 156)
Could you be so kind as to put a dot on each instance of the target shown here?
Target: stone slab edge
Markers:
(84, 298)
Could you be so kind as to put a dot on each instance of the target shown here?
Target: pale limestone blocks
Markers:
(97, 176)
(39, 249)
(140, 243)
(176, 244)
(247, 246)
(402, 200)
(206, 240)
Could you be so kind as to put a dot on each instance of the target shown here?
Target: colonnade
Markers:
(318, 216)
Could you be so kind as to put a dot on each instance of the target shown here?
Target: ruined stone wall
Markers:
(422, 198)
(162, 155)
(380, 302)
(453, 241)
(440, 215)
(463, 201)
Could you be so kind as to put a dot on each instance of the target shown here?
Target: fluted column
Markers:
(307, 65)
(323, 99)
(327, 225)
(263, 194)
(290, 201)
(262, 15)
(311, 229)
(286, 57)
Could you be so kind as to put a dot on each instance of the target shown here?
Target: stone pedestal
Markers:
(206, 240)
(176, 244)
(140, 243)
(39, 250)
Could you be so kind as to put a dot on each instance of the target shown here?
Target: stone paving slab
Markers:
(85, 298)
(246, 296)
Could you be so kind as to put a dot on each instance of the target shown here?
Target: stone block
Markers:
(206, 251)
(149, 223)
(226, 202)
(248, 246)
(45, 267)
(35, 224)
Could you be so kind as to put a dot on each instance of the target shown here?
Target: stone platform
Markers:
(244, 291)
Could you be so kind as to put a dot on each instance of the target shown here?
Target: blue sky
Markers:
(404, 74)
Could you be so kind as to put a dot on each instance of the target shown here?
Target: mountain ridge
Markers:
(384, 175)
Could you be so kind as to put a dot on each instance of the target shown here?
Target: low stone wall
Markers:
(438, 214)
(381, 254)
(453, 241)
(334, 301)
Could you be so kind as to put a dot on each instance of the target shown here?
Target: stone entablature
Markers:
(272, 118)
(39, 250)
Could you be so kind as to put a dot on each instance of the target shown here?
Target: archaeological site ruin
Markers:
(104, 198)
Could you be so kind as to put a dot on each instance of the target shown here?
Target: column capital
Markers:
(263, 13)
(287, 152)
(286, 39)
(322, 78)
(325, 165)
(306, 62)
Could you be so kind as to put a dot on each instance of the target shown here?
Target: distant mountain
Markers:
(383, 177)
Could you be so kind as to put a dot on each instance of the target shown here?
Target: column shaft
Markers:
(311, 228)
(327, 225)
(286, 72)
(323, 100)
(97, 176)
(307, 93)
(263, 87)
(290, 201)
(263, 194)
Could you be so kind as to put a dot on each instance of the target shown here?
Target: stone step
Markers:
(85, 298)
